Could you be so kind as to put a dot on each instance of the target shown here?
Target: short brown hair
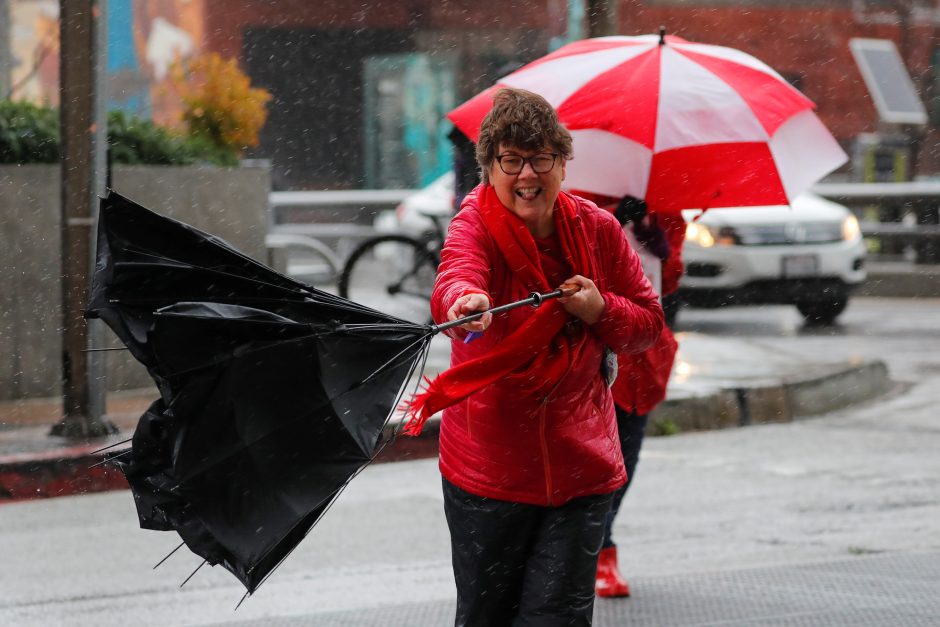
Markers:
(523, 120)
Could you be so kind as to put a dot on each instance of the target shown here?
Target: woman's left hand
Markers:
(587, 304)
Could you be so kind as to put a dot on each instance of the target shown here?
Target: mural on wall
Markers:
(145, 37)
(163, 32)
(34, 48)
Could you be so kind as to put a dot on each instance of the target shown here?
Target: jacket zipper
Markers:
(546, 464)
(466, 412)
(543, 440)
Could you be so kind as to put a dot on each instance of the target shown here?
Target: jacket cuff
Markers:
(457, 332)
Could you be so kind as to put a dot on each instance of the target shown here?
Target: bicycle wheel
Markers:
(393, 274)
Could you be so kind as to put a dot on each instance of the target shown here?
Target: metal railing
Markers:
(903, 219)
(310, 233)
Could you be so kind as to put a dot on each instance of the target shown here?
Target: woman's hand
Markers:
(470, 304)
(587, 304)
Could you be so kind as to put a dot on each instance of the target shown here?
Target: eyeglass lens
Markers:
(513, 164)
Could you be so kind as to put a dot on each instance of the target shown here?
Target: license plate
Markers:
(800, 265)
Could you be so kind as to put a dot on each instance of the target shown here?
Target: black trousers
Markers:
(521, 565)
(631, 428)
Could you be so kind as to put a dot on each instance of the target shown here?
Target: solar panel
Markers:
(888, 81)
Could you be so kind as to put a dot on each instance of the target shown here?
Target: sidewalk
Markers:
(717, 383)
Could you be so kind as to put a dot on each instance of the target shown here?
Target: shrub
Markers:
(133, 141)
(136, 141)
(28, 133)
(219, 104)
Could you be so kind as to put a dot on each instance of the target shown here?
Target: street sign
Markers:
(888, 81)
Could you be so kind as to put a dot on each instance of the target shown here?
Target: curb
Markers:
(900, 280)
(73, 470)
(784, 402)
(76, 470)
(62, 473)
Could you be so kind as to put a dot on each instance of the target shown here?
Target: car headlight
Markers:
(699, 234)
(706, 236)
(851, 229)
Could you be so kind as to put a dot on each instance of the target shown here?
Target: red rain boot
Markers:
(609, 581)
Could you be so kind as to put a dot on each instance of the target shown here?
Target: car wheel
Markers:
(823, 312)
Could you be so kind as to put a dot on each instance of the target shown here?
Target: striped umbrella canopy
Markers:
(682, 125)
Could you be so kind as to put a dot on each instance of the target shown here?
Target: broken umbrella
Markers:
(273, 394)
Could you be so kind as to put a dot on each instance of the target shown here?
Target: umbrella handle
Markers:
(535, 299)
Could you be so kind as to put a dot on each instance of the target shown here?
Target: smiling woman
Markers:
(524, 162)
(528, 440)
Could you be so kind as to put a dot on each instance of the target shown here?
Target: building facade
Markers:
(360, 89)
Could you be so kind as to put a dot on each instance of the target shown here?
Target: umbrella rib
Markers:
(190, 266)
(275, 344)
(297, 284)
(241, 299)
(288, 423)
(333, 498)
(244, 353)
(168, 555)
(264, 436)
(112, 445)
(329, 399)
(387, 326)
(401, 393)
(113, 457)
(244, 596)
(193, 573)
(421, 340)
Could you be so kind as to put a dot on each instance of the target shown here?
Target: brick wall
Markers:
(807, 40)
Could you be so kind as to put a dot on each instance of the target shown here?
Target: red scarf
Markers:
(537, 354)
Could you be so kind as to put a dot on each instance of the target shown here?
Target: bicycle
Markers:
(395, 273)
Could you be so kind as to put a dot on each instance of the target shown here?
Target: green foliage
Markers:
(135, 141)
(28, 133)
(665, 427)
(204, 150)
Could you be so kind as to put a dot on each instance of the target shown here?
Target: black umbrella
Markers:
(273, 394)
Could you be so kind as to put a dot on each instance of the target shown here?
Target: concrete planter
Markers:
(228, 202)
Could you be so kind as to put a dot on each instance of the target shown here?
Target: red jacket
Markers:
(503, 444)
(642, 378)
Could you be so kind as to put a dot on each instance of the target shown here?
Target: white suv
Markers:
(810, 255)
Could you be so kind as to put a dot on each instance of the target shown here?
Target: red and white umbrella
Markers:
(680, 124)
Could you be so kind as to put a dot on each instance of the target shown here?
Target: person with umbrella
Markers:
(642, 378)
(528, 443)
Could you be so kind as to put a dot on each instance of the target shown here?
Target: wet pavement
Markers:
(824, 521)
(717, 382)
(827, 519)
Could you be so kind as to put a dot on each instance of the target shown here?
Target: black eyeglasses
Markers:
(540, 163)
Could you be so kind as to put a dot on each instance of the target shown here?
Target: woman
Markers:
(528, 444)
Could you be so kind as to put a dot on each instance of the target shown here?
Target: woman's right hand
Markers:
(471, 304)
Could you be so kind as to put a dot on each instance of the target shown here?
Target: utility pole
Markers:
(6, 55)
(603, 17)
(84, 134)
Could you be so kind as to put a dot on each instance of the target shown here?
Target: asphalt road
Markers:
(825, 521)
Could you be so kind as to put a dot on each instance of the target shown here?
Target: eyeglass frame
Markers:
(499, 162)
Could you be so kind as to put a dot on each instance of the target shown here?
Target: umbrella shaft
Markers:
(535, 300)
